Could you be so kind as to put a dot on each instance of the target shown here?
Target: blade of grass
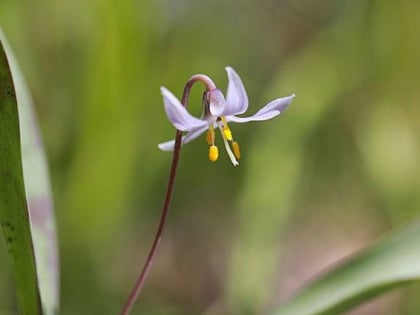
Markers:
(390, 263)
(26, 213)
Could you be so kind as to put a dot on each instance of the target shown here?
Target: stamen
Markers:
(213, 153)
(230, 153)
(226, 130)
(227, 133)
(236, 150)
(210, 135)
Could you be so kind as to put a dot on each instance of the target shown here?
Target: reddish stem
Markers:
(138, 286)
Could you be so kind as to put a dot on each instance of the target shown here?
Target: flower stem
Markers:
(138, 286)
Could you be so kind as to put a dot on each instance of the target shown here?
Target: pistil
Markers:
(227, 136)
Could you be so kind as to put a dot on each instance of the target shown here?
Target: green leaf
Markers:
(388, 264)
(26, 212)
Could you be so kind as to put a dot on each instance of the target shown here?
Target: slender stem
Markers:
(138, 286)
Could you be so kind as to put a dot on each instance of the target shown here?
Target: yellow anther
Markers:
(213, 153)
(227, 133)
(210, 136)
(226, 130)
(236, 150)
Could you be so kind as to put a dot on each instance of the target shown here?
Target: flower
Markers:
(218, 112)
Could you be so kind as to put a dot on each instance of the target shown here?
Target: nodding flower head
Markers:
(218, 112)
(214, 101)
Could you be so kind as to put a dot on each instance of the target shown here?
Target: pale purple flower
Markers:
(218, 112)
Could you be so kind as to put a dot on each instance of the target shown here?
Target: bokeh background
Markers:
(333, 173)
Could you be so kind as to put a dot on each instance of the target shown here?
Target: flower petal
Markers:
(193, 134)
(236, 97)
(177, 114)
(217, 103)
(271, 110)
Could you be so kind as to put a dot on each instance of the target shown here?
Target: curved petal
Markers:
(169, 145)
(217, 102)
(177, 114)
(271, 110)
(236, 97)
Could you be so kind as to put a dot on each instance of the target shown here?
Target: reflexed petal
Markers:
(236, 97)
(169, 145)
(271, 110)
(279, 104)
(177, 114)
(255, 117)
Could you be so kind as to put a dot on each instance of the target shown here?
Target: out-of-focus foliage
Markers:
(337, 169)
(389, 264)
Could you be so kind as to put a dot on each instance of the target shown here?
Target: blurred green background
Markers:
(336, 170)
